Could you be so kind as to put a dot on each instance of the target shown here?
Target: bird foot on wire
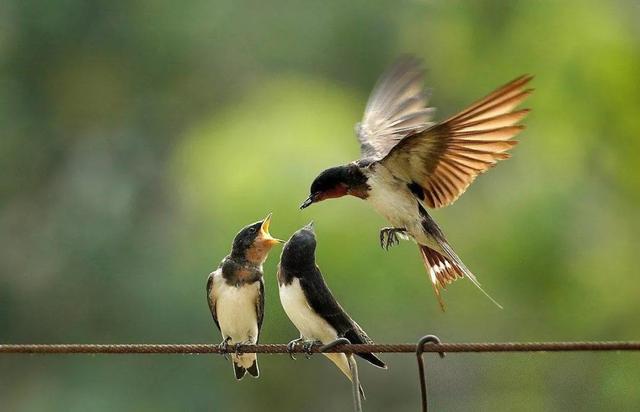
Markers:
(307, 347)
(389, 236)
(291, 347)
(223, 348)
(238, 345)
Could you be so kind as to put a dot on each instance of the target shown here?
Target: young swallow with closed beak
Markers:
(310, 305)
(410, 163)
(235, 293)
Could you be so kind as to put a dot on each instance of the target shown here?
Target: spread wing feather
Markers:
(396, 108)
(446, 158)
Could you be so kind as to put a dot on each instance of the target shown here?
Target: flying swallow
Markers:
(309, 304)
(235, 293)
(410, 163)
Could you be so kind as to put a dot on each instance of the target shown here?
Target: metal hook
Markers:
(421, 371)
(353, 368)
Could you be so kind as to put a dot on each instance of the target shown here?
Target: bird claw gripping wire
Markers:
(223, 348)
(291, 347)
(307, 347)
(237, 350)
(353, 368)
(421, 371)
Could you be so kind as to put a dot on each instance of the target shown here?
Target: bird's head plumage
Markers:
(337, 182)
(254, 241)
(300, 249)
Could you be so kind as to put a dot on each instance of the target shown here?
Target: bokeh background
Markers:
(138, 137)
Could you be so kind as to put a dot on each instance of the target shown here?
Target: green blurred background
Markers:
(138, 137)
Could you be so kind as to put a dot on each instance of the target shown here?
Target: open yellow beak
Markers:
(265, 236)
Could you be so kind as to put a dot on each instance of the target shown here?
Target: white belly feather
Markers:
(310, 324)
(390, 197)
(236, 310)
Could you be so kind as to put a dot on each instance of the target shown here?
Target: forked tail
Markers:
(445, 268)
(247, 362)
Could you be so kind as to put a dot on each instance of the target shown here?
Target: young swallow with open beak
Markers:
(309, 304)
(235, 293)
(410, 163)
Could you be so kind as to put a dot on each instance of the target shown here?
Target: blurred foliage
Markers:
(138, 137)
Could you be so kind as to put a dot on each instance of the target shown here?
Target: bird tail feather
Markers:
(253, 369)
(445, 268)
(372, 359)
(246, 362)
(341, 361)
(238, 370)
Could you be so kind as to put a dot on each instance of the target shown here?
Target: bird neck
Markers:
(297, 264)
(238, 270)
(254, 255)
(356, 181)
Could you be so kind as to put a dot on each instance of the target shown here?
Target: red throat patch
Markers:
(258, 252)
(338, 191)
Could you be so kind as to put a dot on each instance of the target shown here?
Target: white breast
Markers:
(390, 197)
(236, 309)
(310, 324)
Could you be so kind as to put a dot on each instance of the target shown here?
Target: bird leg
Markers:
(389, 236)
(291, 346)
(223, 347)
(307, 346)
(239, 344)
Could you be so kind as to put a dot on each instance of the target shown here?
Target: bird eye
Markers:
(252, 230)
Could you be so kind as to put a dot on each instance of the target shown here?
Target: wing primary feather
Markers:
(397, 108)
(446, 158)
(395, 83)
(480, 161)
(501, 120)
(500, 92)
(455, 168)
(411, 104)
(501, 133)
(502, 106)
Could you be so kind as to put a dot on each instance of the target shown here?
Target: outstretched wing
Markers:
(396, 108)
(446, 158)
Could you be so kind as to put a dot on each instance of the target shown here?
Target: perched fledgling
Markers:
(410, 163)
(235, 293)
(309, 304)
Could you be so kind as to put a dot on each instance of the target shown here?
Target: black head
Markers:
(337, 182)
(300, 250)
(254, 241)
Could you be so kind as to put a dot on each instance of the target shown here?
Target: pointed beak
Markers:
(310, 226)
(307, 202)
(264, 232)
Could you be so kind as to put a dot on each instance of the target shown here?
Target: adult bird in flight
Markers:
(410, 163)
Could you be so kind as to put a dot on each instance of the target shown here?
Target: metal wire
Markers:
(203, 348)
(428, 343)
